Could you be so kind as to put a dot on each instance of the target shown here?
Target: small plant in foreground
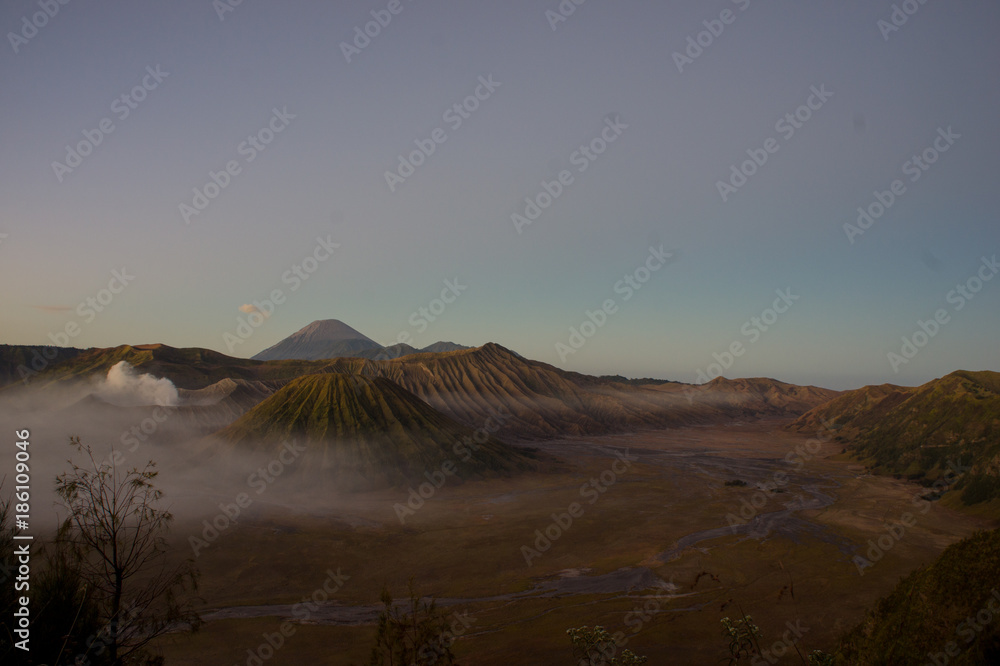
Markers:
(594, 646)
(743, 636)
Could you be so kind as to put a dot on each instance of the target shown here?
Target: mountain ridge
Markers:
(369, 432)
(932, 609)
(467, 385)
(917, 431)
(546, 401)
(332, 338)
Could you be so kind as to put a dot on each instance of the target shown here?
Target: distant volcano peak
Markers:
(332, 330)
(324, 338)
(332, 338)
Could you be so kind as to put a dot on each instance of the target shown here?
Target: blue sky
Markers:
(681, 130)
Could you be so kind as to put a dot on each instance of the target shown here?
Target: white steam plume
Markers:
(127, 388)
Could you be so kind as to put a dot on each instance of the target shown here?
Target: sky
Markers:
(628, 188)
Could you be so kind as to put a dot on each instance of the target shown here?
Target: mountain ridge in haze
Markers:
(332, 338)
(546, 401)
(470, 384)
(21, 362)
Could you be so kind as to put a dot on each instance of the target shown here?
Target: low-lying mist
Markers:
(129, 419)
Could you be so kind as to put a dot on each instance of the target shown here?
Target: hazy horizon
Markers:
(199, 81)
(726, 375)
